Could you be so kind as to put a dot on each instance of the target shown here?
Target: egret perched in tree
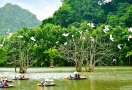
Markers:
(91, 25)
(92, 39)
(130, 36)
(57, 42)
(119, 46)
(8, 31)
(100, 2)
(104, 2)
(106, 29)
(65, 34)
(82, 38)
(114, 60)
(3, 40)
(20, 36)
(107, 1)
(130, 29)
(65, 43)
(1, 45)
(80, 32)
(111, 38)
(32, 38)
(10, 34)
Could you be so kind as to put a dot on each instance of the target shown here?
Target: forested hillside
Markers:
(13, 17)
(112, 12)
(83, 33)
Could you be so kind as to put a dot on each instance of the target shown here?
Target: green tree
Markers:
(52, 52)
(3, 54)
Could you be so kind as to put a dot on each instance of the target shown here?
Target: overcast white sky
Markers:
(41, 8)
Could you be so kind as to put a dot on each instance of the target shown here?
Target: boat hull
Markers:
(46, 85)
(82, 78)
(20, 78)
(9, 86)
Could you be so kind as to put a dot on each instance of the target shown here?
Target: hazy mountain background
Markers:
(13, 17)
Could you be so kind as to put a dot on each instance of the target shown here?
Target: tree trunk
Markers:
(15, 69)
(51, 64)
(90, 68)
(22, 69)
(78, 67)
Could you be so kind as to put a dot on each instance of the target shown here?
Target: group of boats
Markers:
(5, 80)
(46, 82)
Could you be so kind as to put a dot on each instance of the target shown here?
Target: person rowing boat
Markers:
(47, 83)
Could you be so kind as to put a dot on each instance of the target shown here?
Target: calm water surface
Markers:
(103, 78)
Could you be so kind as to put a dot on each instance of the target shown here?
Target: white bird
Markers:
(114, 60)
(65, 34)
(1, 45)
(80, 32)
(106, 29)
(32, 38)
(65, 43)
(91, 25)
(3, 40)
(119, 46)
(100, 3)
(130, 29)
(20, 36)
(35, 44)
(130, 36)
(8, 31)
(92, 39)
(57, 42)
(107, 1)
(111, 38)
(10, 34)
(86, 30)
(82, 38)
(104, 2)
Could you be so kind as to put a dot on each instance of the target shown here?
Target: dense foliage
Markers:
(116, 12)
(13, 17)
(109, 21)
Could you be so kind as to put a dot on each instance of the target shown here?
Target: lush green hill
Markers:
(13, 17)
(115, 12)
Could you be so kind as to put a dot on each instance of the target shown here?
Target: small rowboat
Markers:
(9, 86)
(20, 78)
(81, 78)
(46, 85)
(10, 80)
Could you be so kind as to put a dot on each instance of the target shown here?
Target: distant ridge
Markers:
(13, 17)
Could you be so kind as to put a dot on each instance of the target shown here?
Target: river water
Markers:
(103, 78)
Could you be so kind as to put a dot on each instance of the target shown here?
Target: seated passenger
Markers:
(45, 83)
(76, 76)
(15, 77)
(5, 83)
(23, 76)
(52, 83)
(1, 84)
(41, 83)
(71, 76)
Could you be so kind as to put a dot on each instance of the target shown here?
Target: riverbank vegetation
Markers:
(81, 33)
